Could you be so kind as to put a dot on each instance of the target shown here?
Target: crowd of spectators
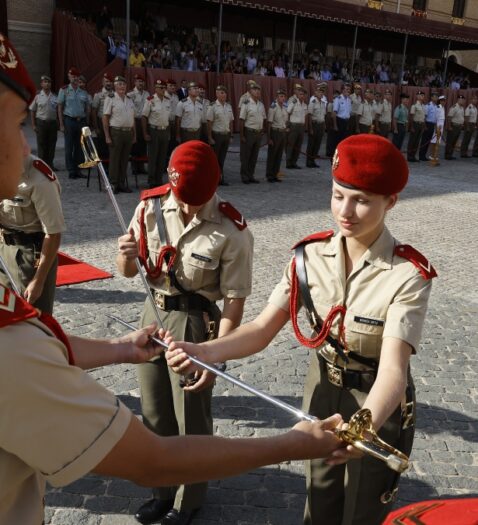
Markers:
(178, 48)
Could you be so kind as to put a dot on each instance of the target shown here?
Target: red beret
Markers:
(74, 71)
(194, 172)
(107, 76)
(139, 77)
(370, 163)
(13, 72)
(171, 81)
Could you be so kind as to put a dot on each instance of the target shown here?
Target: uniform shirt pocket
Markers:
(17, 210)
(364, 333)
(201, 270)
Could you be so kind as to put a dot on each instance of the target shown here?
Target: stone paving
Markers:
(437, 214)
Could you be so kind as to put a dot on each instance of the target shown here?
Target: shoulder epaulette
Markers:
(14, 309)
(43, 167)
(227, 209)
(319, 236)
(417, 259)
(155, 192)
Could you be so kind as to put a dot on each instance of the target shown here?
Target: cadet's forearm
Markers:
(49, 251)
(92, 353)
(231, 315)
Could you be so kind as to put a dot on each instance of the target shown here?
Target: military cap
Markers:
(74, 71)
(139, 77)
(298, 86)
(45, 78)
(388, 92)
(321, 85)
(108, 77)
(434, 94)
(201, 86)
(194, 172)
(250, 82)
(13, 72)
(442, 97)
(370, 163)
(368, 90)
(461, 96)
(404, 95)
(119, 78)
(192, 85)
(160, 83)
(171, 81)
(281, 91)
(378, 93)
(221, 87)
(357, 86)
(254, 85)
(420, 93)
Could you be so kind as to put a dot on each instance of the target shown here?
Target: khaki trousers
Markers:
(275, 153)
(157, 153)
(452, 137)
(120, 151)
(220, 147)
(294, 143)
(315, 140)
(249, 154)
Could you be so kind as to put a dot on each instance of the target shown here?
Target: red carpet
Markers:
(72, 271)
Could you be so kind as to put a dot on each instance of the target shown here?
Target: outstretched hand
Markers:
(177, 357)
(137, 347)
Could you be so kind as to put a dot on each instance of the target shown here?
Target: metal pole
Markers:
(13, 284)
(403, 59)
(353, 53)
(293, 46)
(398, 6)
(219, 38)
(128, 30)
(446, 63)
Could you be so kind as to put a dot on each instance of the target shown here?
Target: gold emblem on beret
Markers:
(7, 56)
(335, 160)
(173, 176)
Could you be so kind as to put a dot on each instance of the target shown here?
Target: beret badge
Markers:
(335, 160)
(173, 176)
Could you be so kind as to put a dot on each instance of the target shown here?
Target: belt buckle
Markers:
(160, 300)
(334, 375)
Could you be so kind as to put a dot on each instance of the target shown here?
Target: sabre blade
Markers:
(13, 284)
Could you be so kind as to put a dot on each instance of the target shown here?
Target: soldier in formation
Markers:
(317, 110)
(277, 129)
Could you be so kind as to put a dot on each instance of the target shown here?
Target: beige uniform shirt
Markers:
(157, 111)
(385, 296)
(174, 103)
(98, 103)
(317, 108)
(384, 112)
(456, 114)
(278, 116)
(471, 112)
(245, 96)
(121, 111)
(253, 113)
(356, 102)
(418, 112)
(297, 110)
(366, 113)
(44, 106)
(139, 98)
(221, 116)
(57, 422)
(214, 257)
(37, 205)
(190, 113)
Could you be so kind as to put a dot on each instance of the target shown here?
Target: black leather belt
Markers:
(18, 237)
(77, 119)
(182, 303)
(338, 376)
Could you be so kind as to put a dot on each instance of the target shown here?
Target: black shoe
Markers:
(246, 182)
(115, 189)
(412, 160)
(474, 155)
(289, 166)
(423, 159)
(126, 190)
(278, 180)
(271, 180)
(296, 167)
(81, 176)
(465, 156)
(73, 176)
(254, 181)
(450, 158)
(178, 517)
(312, 165)
(153, 510)
(223, 183)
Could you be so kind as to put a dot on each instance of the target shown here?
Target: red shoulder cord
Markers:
(153, 272)
(314, 342)
(55, 327)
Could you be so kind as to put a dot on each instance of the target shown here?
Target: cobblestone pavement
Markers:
(437, 214)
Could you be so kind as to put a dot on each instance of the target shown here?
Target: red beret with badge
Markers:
(13, 72)
(139, 77)
(194, 172)
(370, 163)
(74, 71)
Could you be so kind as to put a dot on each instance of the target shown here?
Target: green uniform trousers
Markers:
(249, 153)
(47, 131)
(315, 140)
(414, 139)
(275, 153)
(294, 143)
(120, 150)
(384, 129)
(189, 135)
(467, 136)
(20, 261)
(167, 409)
(347, 494)
(157, 153)
(452, 137)
(221, 145)
(364, 128)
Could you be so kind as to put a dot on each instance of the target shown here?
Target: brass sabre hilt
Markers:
(92, 158)
(360, 424)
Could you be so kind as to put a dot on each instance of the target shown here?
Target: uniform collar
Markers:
(219, 103)
(209, 212)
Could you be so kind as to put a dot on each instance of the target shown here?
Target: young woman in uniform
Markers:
(372, 293)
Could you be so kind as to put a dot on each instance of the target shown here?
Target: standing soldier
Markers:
(342, 114)
(365, 114)
(44, 120)
(316, 125)
(120, 133)
(138, 95)
(356, 100)
(205, 106)
(383, 115)
(155, 117)
(455, 122)
(430, 125)
(251, 129)
(83, 85)
(219, 127)
(97, 114)
(277, 129)
(247, 95)
(189, 115)
(331, 126)
(173, 97)
(31, 225)
(400, 121)
(470, 127)
(297, 109)
(417, 125)
(203, 254)
(73, 109)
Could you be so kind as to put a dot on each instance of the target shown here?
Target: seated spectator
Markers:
(121, 49)
(136, 59)
(279, 70)
(251, 63)
(455, 83)
(325, 73)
